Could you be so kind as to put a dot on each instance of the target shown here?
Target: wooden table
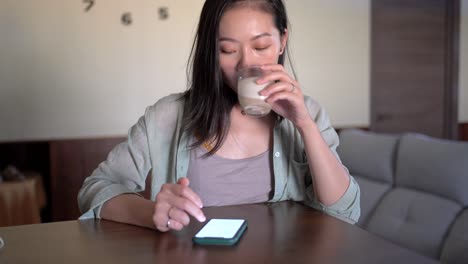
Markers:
(284, 232)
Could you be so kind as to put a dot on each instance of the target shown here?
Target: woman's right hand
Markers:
(175, 203)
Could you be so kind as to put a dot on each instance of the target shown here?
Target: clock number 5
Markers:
(90, 4)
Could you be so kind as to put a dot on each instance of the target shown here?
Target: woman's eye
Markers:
(227, 50)
(262, 48)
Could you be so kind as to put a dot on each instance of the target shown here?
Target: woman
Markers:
(202, 150)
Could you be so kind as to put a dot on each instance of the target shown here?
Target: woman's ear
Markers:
(284, 40)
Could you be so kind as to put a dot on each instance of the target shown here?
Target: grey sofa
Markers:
(414, 190)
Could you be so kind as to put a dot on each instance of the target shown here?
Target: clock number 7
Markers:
(90, 4)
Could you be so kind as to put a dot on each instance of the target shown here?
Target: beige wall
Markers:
(69, 74)
(330, 43)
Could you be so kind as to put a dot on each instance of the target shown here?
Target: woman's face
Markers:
(247, 37)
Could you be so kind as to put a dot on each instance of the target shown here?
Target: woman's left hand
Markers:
(284, 95)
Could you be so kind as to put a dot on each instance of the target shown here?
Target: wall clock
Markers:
(126, 17)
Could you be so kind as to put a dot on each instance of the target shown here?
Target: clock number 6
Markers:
(126, 19)
(90, 4)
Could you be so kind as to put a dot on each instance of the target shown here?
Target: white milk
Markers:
(248, 93)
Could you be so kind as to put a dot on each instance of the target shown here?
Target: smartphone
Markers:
(221, 232)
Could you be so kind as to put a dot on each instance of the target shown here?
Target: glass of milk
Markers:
(251, 102)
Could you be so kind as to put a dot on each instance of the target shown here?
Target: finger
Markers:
(160, 215)
(274, 76)
(278, 87)
(170, 218)
(179, 215)
(182, 197)
(187, 192)
(174, 224)
(188, 206)
(282, 96)
(273, 67)
(160, 225)
(184, 181)
(273, 88)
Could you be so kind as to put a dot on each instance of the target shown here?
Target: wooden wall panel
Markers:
(414, 66)
(71, 161)
(463, 132)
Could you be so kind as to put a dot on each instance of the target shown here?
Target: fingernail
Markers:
(202, 219)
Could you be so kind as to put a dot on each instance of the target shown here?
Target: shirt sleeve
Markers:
(347, 208)
(124, 171)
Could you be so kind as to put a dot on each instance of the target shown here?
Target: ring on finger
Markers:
(292, 88)
(169, 217)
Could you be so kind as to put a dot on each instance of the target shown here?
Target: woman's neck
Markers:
(241, 121)
(247, 136)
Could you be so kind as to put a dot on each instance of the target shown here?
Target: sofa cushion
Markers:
(371, 194)
(414, 219)
(456, 246)
(368, 154)
(433, 165)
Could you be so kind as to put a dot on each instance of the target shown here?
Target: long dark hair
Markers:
(209, 100)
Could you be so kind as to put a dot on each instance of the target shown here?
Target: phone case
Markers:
(221, 241)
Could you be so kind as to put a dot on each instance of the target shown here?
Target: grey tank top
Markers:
(220, 181)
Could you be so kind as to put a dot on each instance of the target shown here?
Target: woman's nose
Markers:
(246, 59)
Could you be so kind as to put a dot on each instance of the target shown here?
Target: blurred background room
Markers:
(76, 75)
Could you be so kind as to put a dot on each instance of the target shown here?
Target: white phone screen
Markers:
(222, 228)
